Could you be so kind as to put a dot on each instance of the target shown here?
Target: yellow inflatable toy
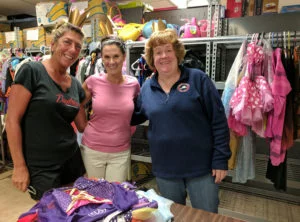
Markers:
(130, 31)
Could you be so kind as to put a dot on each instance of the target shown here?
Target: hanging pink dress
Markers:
(252, 99)
(280, 89)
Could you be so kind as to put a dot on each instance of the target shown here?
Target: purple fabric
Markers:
(123, 199)
(53, 204)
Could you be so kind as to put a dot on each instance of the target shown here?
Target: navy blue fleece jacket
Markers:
(188, 133)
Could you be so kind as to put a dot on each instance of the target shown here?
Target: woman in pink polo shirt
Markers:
(106, 140)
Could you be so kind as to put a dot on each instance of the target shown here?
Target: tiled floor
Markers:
(12, 202)
(246, 207)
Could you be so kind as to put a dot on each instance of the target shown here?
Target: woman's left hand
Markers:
(219, 175)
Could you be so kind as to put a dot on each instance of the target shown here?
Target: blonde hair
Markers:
(62, 27)
(164, 37)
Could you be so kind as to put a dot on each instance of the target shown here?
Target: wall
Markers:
(280, 3)
(175, 16)
(264, 23)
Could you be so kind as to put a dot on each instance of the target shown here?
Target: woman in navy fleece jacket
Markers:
(188, 133)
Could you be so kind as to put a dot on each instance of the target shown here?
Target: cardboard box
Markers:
(4, 27)
(10, 40)
(81, 5)
(87, 30)
(34, 37)
(282, 3)
(251, 8)
(290, 8)
(97, 9)
(1, 40)
(49, 37)
(270, 6)
(3, 18)
(48, 13)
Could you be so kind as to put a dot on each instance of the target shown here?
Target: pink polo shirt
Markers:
(108, 129)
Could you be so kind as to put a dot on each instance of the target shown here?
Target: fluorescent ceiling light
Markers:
(189, 3)
(180, 3)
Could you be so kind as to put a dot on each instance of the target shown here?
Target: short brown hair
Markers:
(164, 37)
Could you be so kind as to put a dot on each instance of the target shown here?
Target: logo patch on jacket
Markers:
(183, 87)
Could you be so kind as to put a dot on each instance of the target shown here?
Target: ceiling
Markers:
(17, 7)
(27, 7)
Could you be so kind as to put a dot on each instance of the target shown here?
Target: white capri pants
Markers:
(113, 167)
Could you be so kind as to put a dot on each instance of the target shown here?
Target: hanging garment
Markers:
(233, 78)
(288, 129)
(234, 147)
(245, 166)
(143, 69)
(3, 74)
(252, 99)
(80, 73)
(25, 60)
(280, 89)
(296, 89)
(277, 174)
(268, 71)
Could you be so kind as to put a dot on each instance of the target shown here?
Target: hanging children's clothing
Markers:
(280, 89)
(253, 98)
(236, 72)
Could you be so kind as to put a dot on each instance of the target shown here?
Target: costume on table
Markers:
(92, 200)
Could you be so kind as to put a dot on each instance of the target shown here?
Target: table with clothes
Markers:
(99, 200)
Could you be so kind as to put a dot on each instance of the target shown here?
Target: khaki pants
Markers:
(113, 167)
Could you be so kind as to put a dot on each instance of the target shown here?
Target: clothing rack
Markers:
(278, 39)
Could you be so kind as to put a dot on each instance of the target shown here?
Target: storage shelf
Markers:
(196, 41)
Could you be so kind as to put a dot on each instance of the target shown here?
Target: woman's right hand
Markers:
(20, 178)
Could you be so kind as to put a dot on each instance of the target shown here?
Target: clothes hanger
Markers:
(284, 41)
(253, 36)
(27, 52)
(135, 63)
(260, 38)
(289, 41)
(256, 37)
(277, 44)
(295, 39)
